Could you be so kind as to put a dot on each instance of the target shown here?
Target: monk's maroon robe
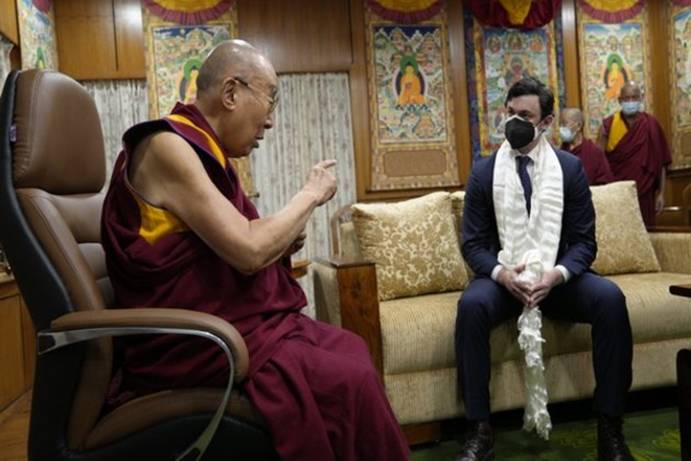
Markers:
(314, 384)
(640, 155)
(594, 161)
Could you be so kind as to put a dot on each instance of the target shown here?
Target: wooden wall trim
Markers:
(358, 99)
(658, 31)
(460, 88)
(570, 40)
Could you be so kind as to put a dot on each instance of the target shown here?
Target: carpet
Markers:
(651, 435)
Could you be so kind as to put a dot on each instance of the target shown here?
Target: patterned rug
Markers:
(651, 435)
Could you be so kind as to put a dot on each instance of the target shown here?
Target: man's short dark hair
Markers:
(531, 85)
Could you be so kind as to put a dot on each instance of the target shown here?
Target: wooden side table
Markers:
(17, 343)
(684, 385)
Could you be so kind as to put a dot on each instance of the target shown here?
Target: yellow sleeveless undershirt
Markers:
(156, 222)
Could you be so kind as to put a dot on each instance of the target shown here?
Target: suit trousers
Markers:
(587, 298)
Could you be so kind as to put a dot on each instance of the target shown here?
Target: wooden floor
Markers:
(14, 429)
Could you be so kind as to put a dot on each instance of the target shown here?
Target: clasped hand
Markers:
(529, 295)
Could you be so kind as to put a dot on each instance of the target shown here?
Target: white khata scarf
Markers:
(533, 241)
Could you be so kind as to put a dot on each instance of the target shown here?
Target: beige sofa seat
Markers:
(409, 347)
(412, 338)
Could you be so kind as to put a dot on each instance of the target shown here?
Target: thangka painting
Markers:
(174, 55)
(177, 53)
(413, 139)
(37, 34)
(680, 19)
(610, 56)
(496, 59)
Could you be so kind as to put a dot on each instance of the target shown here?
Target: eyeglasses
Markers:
(272, 100)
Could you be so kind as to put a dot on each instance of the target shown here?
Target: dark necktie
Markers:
(523, 161)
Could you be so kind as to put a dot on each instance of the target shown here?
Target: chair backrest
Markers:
(52, 168)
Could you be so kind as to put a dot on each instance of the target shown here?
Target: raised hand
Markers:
(321, 183)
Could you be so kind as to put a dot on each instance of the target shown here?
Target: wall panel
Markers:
(8, 20)
(300, 35)
(129, 39)
(100, 39)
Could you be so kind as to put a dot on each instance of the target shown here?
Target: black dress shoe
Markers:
(479, 443)
(610, 441)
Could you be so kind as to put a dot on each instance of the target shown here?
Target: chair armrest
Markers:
(346, 294)
(148, 317)
(86, 325)
(673, 250)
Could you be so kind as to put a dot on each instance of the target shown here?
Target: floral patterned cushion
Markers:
(623, 244)
(413, 244)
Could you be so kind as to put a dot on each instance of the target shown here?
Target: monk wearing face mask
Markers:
(572, 140)
(636, 149)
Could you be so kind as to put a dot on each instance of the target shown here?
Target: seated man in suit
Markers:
(178, 230)
(530, 197)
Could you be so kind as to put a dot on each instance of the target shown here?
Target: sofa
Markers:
(397, 273)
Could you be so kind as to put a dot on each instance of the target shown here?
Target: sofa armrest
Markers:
(673, 250)
(346, 295)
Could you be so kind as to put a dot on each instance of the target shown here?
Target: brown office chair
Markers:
(52, 169)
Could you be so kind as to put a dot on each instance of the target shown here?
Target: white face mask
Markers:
(630, 107)
(566, 134)
(547, 132)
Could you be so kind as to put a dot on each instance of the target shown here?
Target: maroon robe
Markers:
(594, 161)
(640, 155)
(314, 384)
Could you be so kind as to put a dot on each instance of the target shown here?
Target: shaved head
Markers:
(229, 59)
(630, 90)
(572, 114)
(237, 92)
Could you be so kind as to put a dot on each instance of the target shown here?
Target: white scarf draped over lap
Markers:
(534, 241)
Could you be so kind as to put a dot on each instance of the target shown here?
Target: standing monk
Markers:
(594, 162)
(179, 231)
(636, 149)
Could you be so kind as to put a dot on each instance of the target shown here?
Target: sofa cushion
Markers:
(623, 243)
(413, 244)
(417, 333)
(655, 314)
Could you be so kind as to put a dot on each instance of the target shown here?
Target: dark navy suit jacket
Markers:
(577, 246)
